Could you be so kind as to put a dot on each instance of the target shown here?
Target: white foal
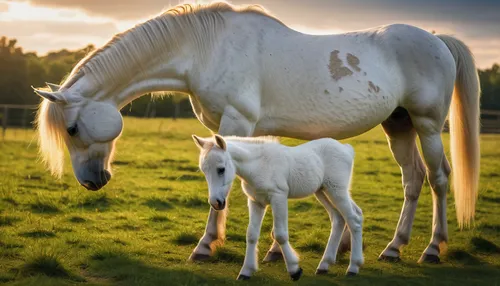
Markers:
(272, 173)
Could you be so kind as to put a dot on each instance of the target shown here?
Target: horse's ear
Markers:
(200, 142)
(53, 87)
(52, 96)
(220, 142)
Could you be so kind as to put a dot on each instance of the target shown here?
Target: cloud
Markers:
(4, 7)
(44, 36)
(475, 22)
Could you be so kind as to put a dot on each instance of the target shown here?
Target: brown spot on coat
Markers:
(340, 89)
(373, 87)
(336, 67)
(353, 61)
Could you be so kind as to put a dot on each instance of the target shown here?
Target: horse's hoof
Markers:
(351, 274)
(273, 256)
(199, 257)
(321, 271)
(387, 258)
(296, 276)
(242, 277)
(429, 258)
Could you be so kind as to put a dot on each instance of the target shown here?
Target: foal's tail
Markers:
(464, 130)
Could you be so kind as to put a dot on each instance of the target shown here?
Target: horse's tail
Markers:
(464, 130)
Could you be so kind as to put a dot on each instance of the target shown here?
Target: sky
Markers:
(47, 25)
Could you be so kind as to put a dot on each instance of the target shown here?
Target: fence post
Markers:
(4, 121)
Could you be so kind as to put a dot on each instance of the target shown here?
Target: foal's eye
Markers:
(220, 171)
(73, 130)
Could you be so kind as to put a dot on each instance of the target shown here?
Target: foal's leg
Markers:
(401, 136)
(232, 123)
(279, 204)
(339, 196)
(256, 213)
(330, 254)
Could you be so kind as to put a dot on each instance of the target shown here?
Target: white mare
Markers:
(248, 74)
(271, 174)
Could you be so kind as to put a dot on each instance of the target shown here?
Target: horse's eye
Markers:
(220, 171)
(73, 130)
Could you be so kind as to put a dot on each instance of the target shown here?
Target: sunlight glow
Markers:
(24, 11)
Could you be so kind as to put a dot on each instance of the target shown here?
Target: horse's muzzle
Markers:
(219, 205)
(100, 180)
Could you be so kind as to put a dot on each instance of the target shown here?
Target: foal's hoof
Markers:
(273, 256)
(351, 274)
(296, 276)
(429, 258)
(321, 271)
(242, 277)
(199, 257)
(387, 258)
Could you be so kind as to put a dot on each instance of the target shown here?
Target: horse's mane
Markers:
(129, 53)
(133, 49)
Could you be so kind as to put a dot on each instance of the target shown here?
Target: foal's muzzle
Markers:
(219, 205)
(97, 181)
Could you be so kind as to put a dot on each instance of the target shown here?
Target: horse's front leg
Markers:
(256, 213)
(234, 123)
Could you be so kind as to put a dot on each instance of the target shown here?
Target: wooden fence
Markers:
(490, 119)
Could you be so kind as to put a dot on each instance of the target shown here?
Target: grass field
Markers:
(141, 228)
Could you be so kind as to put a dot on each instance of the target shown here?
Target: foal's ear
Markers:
(200, 142)
(220, 142)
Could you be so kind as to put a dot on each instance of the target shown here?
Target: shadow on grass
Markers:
(98, 201)
(120, 268)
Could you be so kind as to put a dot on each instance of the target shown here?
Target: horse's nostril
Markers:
(89, 185)
(219, 204)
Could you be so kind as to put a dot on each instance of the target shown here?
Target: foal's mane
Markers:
(128, 54)
(253, 140)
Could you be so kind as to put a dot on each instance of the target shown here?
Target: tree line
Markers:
(20, 70)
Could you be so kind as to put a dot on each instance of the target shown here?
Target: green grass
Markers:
(142, 227)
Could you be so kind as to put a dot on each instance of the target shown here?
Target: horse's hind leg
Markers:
(330, 254)
(401, 136)
(429, 123)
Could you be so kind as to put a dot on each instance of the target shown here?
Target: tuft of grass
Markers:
(158, 218)
(193, 201)
(103, 254)
(302, 206)
(44, 206)
(226, 255)
(38, 234)
(184, 238)
(315, 242)
(10, 200)
(8, 220)
(158, 204)
(46, 264)
(99, 201)
(128, 227)
(77, 219)
(119, 241)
